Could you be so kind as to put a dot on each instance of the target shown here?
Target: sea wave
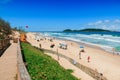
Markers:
(100, 37)
(106, 48)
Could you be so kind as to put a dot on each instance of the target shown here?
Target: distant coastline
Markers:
(87, 30)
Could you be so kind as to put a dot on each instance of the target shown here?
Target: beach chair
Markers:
(63, 46)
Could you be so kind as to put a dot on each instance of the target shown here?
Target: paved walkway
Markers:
(8, 63)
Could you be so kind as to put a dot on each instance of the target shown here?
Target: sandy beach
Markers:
(100, 60)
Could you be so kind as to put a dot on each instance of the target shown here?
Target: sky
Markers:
(57, 15)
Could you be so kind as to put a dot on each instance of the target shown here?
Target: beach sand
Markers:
(100, 60)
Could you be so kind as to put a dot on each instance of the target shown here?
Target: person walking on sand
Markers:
(80, 55)
(40, 46)
(88, 59)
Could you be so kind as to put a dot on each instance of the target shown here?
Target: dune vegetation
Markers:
(5, 29)
(42, 67)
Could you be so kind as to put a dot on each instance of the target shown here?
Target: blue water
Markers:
(110, 39)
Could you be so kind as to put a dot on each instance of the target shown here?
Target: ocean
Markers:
(105, 40)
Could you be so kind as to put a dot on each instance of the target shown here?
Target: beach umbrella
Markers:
(81, 46)
(82, 49)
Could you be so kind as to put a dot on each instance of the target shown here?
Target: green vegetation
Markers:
(68, 30)
(20, 29)
(95, 30)
(43, 67)
(5, 29)
(87, 30)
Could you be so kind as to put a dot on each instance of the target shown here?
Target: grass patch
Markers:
(43, 67)
(70, 70)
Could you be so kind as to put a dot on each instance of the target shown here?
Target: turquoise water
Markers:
(108, 39)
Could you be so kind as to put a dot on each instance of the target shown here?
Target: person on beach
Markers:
(80, 55)
(40, 46)
(88, 59)
(74, 62)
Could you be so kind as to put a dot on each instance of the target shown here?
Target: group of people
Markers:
(81, 51)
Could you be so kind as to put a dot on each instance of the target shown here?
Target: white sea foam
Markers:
(112, 40)
(46, 34)
(73, 39)
(99, 37)
(56, 33)
(106, 48)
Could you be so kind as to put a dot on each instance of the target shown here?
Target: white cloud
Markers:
(106, 24)
(98, 22)
(95, 23)
(117, 21)
(90, 24)
(104, 27)
(112, 26)
(4, 1)
(106, 21)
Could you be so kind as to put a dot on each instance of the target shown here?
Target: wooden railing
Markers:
(93, 73)
(22, 71)
(4, 43)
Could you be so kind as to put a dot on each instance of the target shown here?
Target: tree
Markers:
(67, 30)
(5, 28)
